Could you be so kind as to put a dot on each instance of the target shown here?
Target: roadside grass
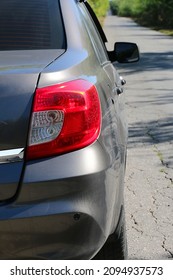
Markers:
(165, 31)
(101, 20)
(168, 32)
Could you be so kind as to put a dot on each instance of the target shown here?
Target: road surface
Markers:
(149, 176)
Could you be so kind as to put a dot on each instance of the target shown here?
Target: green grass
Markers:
(166, 31)
(160, 156)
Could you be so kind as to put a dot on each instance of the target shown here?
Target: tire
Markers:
(115, 247)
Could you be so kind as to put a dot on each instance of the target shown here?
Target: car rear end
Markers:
(61, 167)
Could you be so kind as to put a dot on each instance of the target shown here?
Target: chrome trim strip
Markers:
(13, 155)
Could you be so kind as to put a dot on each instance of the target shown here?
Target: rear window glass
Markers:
(31, 24)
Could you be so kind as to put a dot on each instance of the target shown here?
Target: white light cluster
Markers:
(46, 126)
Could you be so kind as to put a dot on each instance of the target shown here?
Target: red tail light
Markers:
(65, 117)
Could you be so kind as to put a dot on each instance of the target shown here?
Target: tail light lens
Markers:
(65, 117)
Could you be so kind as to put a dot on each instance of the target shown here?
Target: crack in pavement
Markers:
(154, 202)
(170, 179)
(164, 195)
(166, 175)
(135, 223)
(165, 164)
(159, 154)
(152, 214)
(151, 135)
(130, 176)
(130, 190)
(164, 247)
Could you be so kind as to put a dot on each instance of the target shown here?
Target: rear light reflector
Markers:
(65, 117)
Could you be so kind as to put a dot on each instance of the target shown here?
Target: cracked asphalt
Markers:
(149, 106)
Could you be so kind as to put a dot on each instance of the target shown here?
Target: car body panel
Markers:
(76, 209)
(19, 73)
(66, 206)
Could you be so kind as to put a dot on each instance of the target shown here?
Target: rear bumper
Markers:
(59, 236)
(65, 209)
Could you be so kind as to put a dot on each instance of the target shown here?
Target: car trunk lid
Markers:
(19, 73)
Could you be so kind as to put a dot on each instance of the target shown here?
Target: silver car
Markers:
(63, 134)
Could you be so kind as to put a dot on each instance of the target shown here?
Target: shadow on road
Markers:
(158, 131)
(155, 89)
(151, 61)
(152, 79)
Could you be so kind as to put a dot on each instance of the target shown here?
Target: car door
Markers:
(114, 127)
(99, 39)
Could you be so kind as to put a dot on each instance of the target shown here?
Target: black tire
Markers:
(115, 247)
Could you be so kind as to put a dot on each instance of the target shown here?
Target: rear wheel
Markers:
(115, 247)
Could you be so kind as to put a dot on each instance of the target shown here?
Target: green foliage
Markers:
(100, 7)
(127, 7)
(159, 13)
(114, 6)
(156, 13)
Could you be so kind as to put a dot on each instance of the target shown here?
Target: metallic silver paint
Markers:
(12, 155)
(47, 194)
(19, 74)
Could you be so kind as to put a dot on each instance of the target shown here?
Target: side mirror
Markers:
(124, 53)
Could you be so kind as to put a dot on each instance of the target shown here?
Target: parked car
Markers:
(63, 134)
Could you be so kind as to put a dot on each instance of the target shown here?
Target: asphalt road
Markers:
(149, 176)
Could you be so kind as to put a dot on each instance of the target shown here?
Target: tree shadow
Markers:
(156, 83)
(152, 80)
(150, 61)
(156, 131)
(153, 133)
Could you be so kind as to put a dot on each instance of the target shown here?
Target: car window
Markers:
(96, 21)
(31, 24)
(94, 34)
